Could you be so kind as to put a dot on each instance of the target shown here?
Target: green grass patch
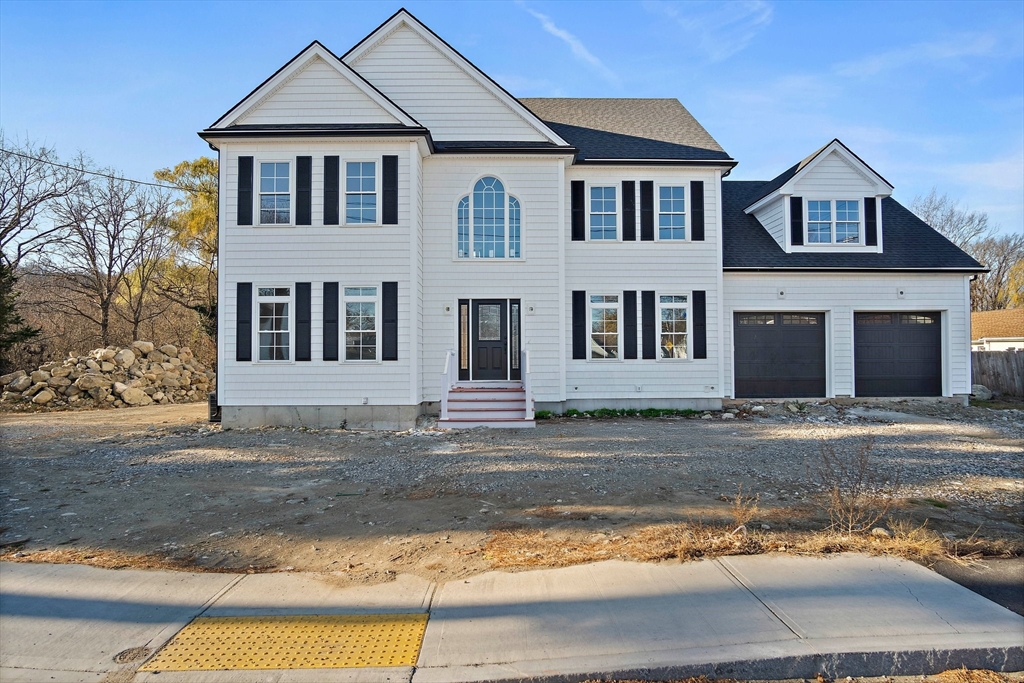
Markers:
(543, 415)
(937, 503)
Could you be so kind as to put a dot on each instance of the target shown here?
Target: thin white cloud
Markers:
(576, 45)
(950, 52)
(717, 30)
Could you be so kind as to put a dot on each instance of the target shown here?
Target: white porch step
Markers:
(451, 423)
(486, 406)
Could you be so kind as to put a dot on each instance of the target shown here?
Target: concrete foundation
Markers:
(582, 404)
(321, 417)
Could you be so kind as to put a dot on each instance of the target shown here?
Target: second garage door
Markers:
(780, 355)
(898, 354)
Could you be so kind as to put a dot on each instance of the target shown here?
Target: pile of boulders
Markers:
(139, 375)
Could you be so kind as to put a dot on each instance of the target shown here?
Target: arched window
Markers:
(489, 222)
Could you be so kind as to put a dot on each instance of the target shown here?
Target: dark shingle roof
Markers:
(908, 242)
(627, 128)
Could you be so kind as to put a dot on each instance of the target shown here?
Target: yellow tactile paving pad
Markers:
(293, 642)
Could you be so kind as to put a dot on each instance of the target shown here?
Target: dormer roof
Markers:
(783, 184)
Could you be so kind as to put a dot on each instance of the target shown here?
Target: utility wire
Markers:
(82, 170)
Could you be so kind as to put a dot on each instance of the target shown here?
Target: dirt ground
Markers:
(158, 486)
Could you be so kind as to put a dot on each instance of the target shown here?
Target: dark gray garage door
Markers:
(780, 355)
(898, 354)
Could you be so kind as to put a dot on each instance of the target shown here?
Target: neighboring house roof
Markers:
(998, 324)
(910, 243)
(618, 129)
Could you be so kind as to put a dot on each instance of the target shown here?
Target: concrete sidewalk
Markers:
(774, 616)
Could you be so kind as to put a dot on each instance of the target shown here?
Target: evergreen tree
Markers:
(13, 329)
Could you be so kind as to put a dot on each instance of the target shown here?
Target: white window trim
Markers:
(590, 325)
(832, 243)
(618, 212)
(343, 172)
(455, 225)
(689, 322)
(291, 192)
(290, 299)
(686, 213)
(343, 356)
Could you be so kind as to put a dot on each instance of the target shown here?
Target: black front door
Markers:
(490, 339)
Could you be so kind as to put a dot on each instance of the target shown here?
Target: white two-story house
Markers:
(399, 235)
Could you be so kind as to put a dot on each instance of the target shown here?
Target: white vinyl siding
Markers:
(670, 267)
(320, 94)
(316, 254)
(772, 217)
(438, 93)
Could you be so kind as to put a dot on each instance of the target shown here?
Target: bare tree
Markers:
(32, 178)
(140, 300)
(958, 224)
(109, 225)
(998, 288)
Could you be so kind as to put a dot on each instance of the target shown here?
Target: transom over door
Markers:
(490, 339)
(898, 354)
(779, 355)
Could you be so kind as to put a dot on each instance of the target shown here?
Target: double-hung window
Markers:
(604, 326)
(360, 192)
(489, 222)
(671, 213)
(361, 323)
(833, 221)
(275, 193)
(274, 336)
(672, 313)
(603, 214)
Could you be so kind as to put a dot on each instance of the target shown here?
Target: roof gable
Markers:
(786, 182)
(315, 87)
(445, 91)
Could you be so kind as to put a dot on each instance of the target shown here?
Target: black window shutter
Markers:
(303, 321)
(332, 192)
(244, 216)
(697, 210)
(796, 221)
(243, 321)
(629, 324)
(870, 222)
(389, 317)
(389, 188)
(303, 190)
(579, 325)
(700, 324)
(650, 333)
(331, 320)
(646, 211)
(579, 211)
(629, 212)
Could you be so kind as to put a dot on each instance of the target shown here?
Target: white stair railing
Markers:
(449, 376)
(524, 363)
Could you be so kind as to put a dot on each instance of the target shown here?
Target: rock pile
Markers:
(139, 375)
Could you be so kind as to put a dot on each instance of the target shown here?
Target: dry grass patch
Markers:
(520, 547)
(965, 675)
(113, 559)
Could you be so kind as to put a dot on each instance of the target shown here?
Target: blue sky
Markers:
(928, 93)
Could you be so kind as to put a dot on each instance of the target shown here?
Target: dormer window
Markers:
(489, 222)
(833, 221)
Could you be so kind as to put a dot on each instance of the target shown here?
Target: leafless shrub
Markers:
(856, 494)
(744, 507)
